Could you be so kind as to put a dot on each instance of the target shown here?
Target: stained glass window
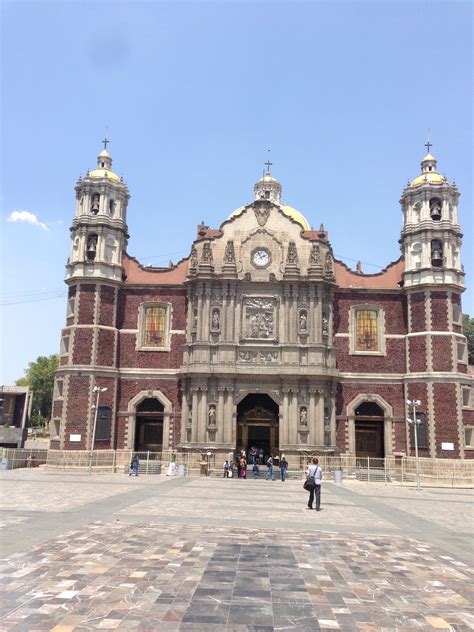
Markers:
(155, 321)
(366, 330)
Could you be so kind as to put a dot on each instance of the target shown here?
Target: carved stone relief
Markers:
(216, 320)
(303, 322)
(258, 357)
(259, 318)
(292, 256)
(206, 253)
(262, 214)
(315, 256)
(229, 254)
(193, 258)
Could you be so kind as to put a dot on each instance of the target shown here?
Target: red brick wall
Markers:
(417, 354)
(82, 352)
(58, 408)
(107, 304)
(130, 299)
(439, 311)
(393, 362)
(77, 411)
(105, 347)
(394, 307)
(130, 357)
(418, 319)
(445, 407)
(462, 368)
(442, 353)
(86, 298)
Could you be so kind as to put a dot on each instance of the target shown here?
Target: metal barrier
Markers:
(399, 470)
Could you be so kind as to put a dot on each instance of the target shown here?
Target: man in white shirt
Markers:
(314, 476)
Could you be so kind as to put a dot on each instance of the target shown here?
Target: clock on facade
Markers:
(261, 257)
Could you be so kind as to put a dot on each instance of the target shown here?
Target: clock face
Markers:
(261, 257)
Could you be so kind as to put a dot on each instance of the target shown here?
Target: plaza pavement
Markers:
(112, 552)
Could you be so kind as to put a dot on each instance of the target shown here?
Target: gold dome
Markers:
(104, 173)
(431, 177)
(104, 154)
(289, 211)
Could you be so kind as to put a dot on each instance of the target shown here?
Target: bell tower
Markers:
(431, 236)
(99, 231)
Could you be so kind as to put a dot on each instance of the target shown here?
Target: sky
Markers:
(193, 95)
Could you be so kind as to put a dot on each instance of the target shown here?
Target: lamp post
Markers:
(414, 403)
(98, 390)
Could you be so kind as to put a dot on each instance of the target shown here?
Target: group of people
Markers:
(255, 459)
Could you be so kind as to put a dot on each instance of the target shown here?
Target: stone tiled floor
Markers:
(215, 555)
(152, 577)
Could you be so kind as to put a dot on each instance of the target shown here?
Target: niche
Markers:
(95, 203)
(436, 253)
(91, 248)
(435, 209)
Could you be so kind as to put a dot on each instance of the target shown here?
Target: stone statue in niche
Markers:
(195, 320)
(206, 253)
(292, 256)
(328, 263)
(193, 257)
(303, 416)
(303, 323)
(325, 325)
(229, 254)
(315, 256)
(212, 416)
(216, 320)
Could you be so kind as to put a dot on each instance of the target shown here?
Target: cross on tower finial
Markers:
(269, 164)
(105, 141)
(428, 146)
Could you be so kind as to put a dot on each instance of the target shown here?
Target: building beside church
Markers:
(260, 337)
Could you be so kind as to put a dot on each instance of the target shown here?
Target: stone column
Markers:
(231, 313)
(332, 418)
(202, 434)
(184, 417)
(221, 419)
(287, 314)
(293, 425)
(318, 320)
(320, 419)
(189, 317)
(311, 316)
(285, 417)
(224, 316)
(195, 414)
(166, 431)
(312, 418)
(200, 315)
(206, 314)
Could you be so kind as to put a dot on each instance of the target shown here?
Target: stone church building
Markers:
(260, 337)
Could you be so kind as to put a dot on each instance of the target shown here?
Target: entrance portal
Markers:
(149, 426)
(369, 430)
(257, 424)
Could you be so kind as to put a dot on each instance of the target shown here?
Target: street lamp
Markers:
(414, 403)
(98, 390)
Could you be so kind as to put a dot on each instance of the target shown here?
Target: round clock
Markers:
(261, 257)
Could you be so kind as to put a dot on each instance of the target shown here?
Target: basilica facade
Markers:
(260, 337)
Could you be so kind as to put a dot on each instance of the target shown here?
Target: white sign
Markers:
(447, 446)
(74, 438)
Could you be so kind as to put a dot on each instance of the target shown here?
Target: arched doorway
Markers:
(369, 430)
(257, 424)
(149, 425)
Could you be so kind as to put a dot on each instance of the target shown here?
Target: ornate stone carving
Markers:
(292, 256)
(303, 417)
(211, 417)
(258, 357)
(259, 318)
(195, 320)
(229, 254)
(206, 253)
(325, 325)
(216, 320)
(315, 256)
(328, 264)
(262, 213)
(303, 321)
(193, 260)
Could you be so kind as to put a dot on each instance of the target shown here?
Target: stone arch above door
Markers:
(131, 413)
(388, 419)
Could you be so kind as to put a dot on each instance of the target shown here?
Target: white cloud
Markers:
(26, 216)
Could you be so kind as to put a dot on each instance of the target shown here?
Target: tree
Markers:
(39, 376)
(468, 330)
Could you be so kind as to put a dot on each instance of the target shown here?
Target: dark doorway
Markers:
(149, 426)
(369, 431)
(257, 424)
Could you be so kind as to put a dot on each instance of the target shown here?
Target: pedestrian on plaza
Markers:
(255, 470)
(283, 468)
(226, 469)
(243, 467)
(313, 484)
(134, 466)
(270, 472)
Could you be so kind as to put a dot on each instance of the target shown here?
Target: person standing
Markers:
(134, 466)
(255, 470)
(283, 468)
(226, 469)
(270, 469)
(313, 480)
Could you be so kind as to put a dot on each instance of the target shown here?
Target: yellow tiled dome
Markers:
(104, 173)
(432, 177)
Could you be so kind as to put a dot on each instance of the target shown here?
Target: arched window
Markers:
(154, 326)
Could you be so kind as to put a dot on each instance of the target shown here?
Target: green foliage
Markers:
(468, 329)
(39, 376)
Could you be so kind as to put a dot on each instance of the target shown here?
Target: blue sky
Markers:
(194, 94)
